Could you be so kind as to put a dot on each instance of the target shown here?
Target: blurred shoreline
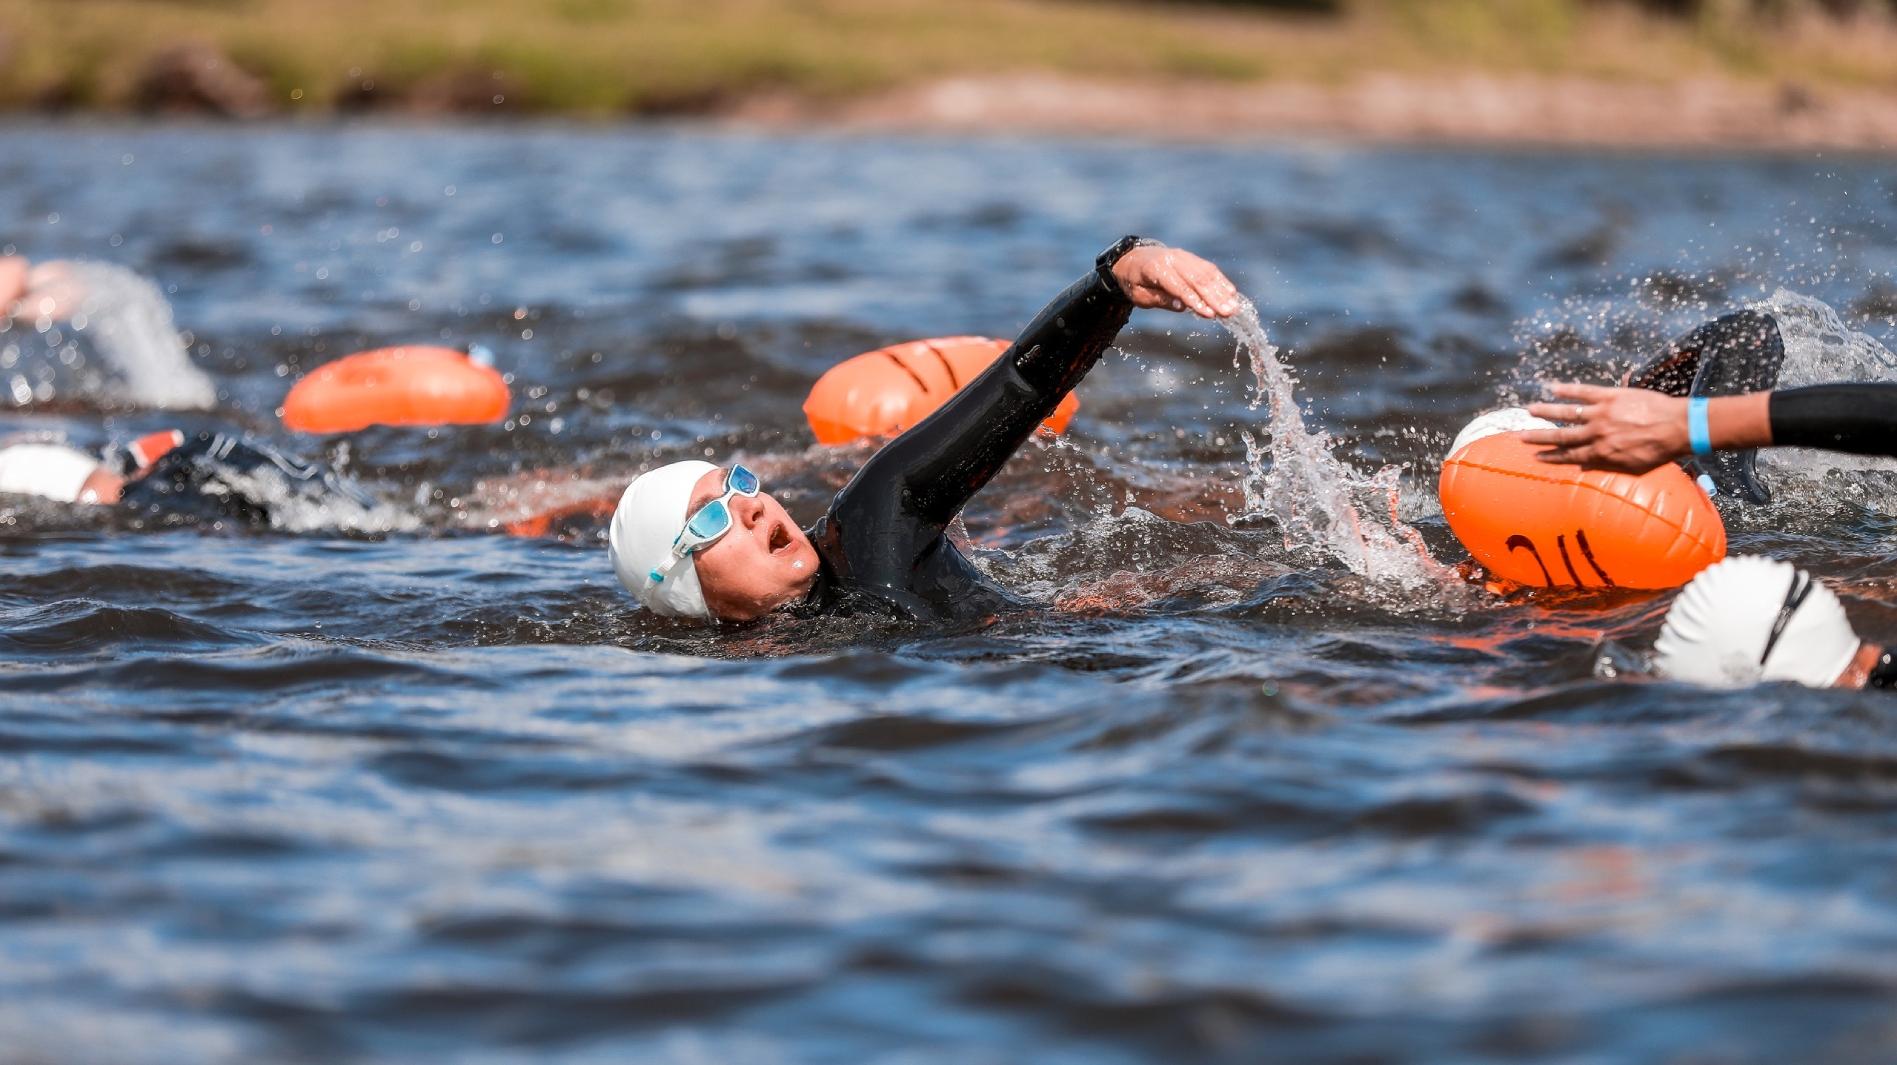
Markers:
(1461, 109)
(1612, 73)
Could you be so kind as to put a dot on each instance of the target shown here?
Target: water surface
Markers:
(418, 790)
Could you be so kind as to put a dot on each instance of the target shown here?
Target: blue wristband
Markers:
(1697, 432)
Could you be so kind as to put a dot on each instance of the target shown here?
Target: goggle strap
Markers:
(1794, 598)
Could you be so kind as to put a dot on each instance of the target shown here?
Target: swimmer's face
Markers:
(763, 563)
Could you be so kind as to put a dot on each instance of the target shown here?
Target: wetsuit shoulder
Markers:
(231, 477)
(1858, 418)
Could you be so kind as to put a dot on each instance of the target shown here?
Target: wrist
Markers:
(1104, 264)
(1739, 422)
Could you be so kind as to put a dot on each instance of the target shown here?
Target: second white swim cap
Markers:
(648, 521)
(1506, 420)
(45, 470)
(1721, 629)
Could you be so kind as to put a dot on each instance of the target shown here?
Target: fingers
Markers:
(1563, 456)
(1217, 292)
(1572, 436)
(1211, 283)
(1183, 290)
(1168, 275)
(1558, 412)
(1584, 393)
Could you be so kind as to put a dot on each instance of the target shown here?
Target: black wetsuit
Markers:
(221, 477)
(1858, 418)
(881, 545)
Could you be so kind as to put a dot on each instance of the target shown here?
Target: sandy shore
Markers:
(1483, 109)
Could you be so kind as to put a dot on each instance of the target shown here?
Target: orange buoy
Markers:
(409, 385)
(584, 511)
(883, 392)
(1551, 526)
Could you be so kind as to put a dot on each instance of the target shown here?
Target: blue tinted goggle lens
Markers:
(741, 481)
(711, 520)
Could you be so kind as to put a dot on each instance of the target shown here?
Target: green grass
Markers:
(605, 57)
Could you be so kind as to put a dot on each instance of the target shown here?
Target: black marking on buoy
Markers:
(913, 376)
(1580, 538)
(1561, 542)
(1518, 541)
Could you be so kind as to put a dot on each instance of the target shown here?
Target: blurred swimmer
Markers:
(1711, 399)
(1747, 620)
(169, 476)
(701, 541)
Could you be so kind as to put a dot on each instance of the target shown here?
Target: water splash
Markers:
(1820, 348)
(1321, 503)
(115, 343)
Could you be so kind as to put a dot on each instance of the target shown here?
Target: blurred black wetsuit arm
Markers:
(1856, 418)
(946, 458)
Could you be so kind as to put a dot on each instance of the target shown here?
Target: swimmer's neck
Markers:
(1863, 664)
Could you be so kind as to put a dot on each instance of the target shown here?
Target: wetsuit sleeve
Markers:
(946, 458)
(1856, 418)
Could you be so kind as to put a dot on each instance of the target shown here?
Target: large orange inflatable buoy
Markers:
(410, 385)
(1548, 526)
(880, 393)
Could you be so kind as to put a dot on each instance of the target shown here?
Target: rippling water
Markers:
(414, 790)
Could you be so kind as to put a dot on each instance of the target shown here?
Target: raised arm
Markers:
(945, 459)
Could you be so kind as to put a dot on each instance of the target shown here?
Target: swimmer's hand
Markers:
(13, 271)
(1174, 279)
(45, 291)
(1631, 430)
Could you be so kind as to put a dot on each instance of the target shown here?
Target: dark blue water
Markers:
(419, 791)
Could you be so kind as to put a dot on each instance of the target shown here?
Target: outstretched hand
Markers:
(1631, 430)
(1174, 279)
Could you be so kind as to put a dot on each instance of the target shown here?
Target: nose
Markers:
(747, 509)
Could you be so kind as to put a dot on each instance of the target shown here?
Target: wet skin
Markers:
(765, 561)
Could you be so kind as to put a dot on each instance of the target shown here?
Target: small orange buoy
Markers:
(1548, 526)
(883, 392)
(408, 385)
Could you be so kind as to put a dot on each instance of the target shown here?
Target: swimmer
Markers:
(1748, 620)
(172, 477)
(695, 540)
(1714, 404)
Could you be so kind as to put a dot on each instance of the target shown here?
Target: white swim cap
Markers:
(45, 470)
(1720, 630)
(1506, 420)
(650, 517)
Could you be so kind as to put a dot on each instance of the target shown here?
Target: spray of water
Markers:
(1819, 349)
(1323, 506)
(133, 330)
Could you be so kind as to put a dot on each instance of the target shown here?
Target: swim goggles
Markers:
(710, 522)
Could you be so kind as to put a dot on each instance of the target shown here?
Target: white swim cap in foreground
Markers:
(1506, 420)
(1721, 629)
(45, 470)
(649, 518)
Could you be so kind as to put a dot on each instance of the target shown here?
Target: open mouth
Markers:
(780, 538)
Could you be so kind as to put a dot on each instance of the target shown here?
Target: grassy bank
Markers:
(603, 57)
